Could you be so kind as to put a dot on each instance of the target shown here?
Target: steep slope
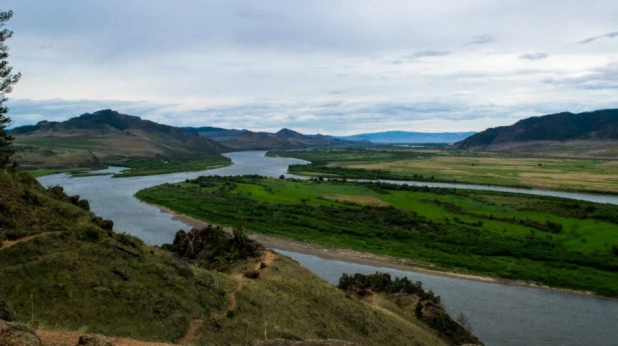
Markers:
(390, 137)
(107, 136)
(64, 268)
(591, 126)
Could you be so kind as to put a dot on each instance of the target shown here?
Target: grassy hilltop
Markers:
(93, 140)
(64, 269)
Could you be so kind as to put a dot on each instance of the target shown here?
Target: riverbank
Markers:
(357, 257)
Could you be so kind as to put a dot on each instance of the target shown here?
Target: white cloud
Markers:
(320, 66)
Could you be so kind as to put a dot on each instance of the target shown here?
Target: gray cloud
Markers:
(482, 39)
(609, 35)
(428, 53)
(600, 78)
(533, 56)
(341, 117)
(319, 66)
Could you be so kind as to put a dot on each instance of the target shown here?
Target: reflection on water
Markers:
(500, 315)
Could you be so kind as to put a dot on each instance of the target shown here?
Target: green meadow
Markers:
(545, 240)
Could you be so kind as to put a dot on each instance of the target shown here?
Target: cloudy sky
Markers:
(327, 66)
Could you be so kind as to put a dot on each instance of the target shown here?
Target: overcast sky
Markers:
(327, 66)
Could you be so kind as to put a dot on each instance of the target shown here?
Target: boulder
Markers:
(84, 204)
(94, 340)
(252, 274)
(107, 225)
(6, 313)
(283, 342)
(14, 333)
(74, 199)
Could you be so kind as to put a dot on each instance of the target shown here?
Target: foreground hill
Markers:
(106, 136)
(64, 269)
(391, 137)
(281, 140)
(588, 131)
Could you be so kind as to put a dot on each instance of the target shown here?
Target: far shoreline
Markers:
(365, 258)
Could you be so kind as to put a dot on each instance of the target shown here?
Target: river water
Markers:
(499, 314)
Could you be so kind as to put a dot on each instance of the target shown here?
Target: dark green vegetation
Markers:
(7, 80)
(64, 268)
(550, 241)
(451, 166)
(164, 166)
(90, 140)
(411, 298)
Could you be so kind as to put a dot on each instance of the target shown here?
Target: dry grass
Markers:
(570, 174)
(357, 199)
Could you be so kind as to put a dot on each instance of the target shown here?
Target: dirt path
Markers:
(191, 334)
(268, 259)
(8, 243)
(61, 338)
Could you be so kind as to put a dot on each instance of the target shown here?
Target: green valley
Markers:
(545, 240)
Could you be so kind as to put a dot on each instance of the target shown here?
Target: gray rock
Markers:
(18, 334)
(6, 313)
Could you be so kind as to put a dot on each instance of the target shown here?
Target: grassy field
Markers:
(486, 168)
(152, 167)
(556, 242)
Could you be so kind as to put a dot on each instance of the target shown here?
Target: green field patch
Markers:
(539, 239)
(357, 199)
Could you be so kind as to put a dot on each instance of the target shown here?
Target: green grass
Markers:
(166, 166)
(546, 240)
(68, 142)
(97, 281)
(74, 172)
(483, 168)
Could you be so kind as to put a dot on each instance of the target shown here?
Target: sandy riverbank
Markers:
(352, 256)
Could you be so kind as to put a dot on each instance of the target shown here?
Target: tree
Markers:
(7, 80)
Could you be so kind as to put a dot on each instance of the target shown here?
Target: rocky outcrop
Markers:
(18, 334)
(6, 313)
(413, 299)
(283, 342)
(212, 247)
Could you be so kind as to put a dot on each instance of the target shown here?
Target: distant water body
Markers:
(500, 314)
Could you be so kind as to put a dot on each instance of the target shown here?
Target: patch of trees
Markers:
(364, 285)
(576, 209)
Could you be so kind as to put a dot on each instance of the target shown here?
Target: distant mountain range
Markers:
(401, 137)
(589, 126)
(283, 139)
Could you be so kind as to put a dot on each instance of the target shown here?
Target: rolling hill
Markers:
(597, 125)
(106, 136)
(281, 140)
(392, 137)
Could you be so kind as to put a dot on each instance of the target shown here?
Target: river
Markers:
(499, 314)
